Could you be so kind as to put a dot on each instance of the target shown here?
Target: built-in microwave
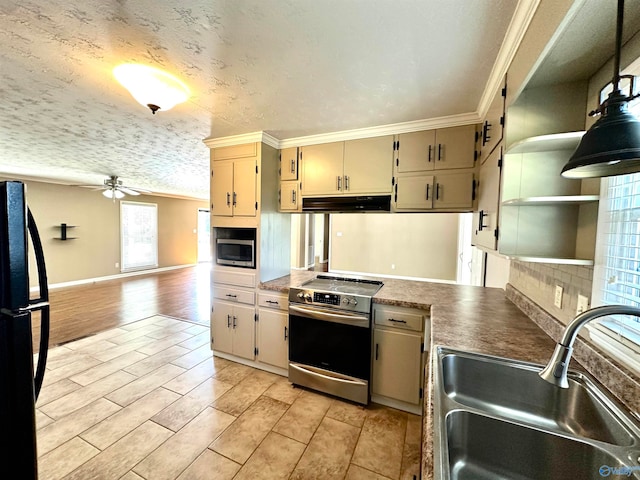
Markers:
(236, 247)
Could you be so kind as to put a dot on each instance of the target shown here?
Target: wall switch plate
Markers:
(583, 304)
(557, 301)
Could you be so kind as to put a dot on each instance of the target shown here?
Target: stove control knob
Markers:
(300, 295)
(308, 297)
(345, 301)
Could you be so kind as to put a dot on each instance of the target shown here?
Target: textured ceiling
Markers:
(287, 67)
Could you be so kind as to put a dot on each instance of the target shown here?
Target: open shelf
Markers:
(535, 259)
(546, 143)
(552, 200)
(63, 232)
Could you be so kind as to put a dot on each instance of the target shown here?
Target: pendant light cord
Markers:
(616, 58)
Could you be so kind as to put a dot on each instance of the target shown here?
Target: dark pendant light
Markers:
(612, 145)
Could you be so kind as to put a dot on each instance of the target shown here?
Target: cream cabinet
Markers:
(273, 329)
(289, 196)
(233, 329)
(450, 190)
(398, 359)
(440, 149)
(289, 164)
(233, 187)
(493, 125)
(485, 219)
(353, 167)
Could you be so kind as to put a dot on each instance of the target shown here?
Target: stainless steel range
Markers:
(330, 335)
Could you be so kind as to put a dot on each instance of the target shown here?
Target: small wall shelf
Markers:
(63, 232)
(552, 200)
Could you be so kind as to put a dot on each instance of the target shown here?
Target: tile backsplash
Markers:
(538, 282)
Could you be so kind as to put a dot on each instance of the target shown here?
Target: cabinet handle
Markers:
(293, 166)
(339, 182)
(346, 183)
(439, 151)
(377, 350)
(228, 199)
(396, 321)
(235, 199)
(274, 302)
(481, 224)
(228, 321)
(234, 321)
(293, 196)
(485, 133)
(437, 191)
(427, 191)
(429, 153)
(231, 295)
(285, 333)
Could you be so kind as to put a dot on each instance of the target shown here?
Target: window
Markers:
(139, 235)
(617, 269)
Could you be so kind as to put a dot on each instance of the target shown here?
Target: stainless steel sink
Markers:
(496, 418)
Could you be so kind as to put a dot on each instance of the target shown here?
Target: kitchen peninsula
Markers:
(484, 320)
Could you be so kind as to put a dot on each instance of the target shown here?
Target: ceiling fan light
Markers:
(112, 193)
(151, 87)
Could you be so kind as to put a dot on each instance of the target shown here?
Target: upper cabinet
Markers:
(493, 125)
(485, 219)
(289, 164)
(440, 149)
(233, 187)
(354, 167)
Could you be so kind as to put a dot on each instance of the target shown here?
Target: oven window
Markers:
(235, 252)
(332, 346)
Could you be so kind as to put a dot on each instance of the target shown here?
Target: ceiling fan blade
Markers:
(128, 191)
(136, 189)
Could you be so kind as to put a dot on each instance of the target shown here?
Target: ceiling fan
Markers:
(114, 189)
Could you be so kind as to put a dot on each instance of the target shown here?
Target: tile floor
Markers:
(147, 401)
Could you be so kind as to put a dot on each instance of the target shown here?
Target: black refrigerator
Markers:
(19, 387)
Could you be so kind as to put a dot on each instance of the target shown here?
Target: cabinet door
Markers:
(485, 220)
(397, 357)
(414, 193)
(222, 326)
(453, 190)
(368, 165)
(244, 187)
(322, 169)
(289, 163)
(273, 337)
(243, 323)
(289, 196)
(222, 188)
(416, 151)
(455, 147)
(493, 125)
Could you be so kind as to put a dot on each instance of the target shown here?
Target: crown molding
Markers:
(525, 10)
(252, 137)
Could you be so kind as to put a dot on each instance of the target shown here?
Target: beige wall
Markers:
(422, 245)
(96, 250)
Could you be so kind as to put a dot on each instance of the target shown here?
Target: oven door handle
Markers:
(327, 377)
(355, 320)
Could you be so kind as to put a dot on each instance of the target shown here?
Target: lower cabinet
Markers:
(398, 358)
(273, 337)
(233, 329)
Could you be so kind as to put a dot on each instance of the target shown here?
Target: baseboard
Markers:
(84, 281)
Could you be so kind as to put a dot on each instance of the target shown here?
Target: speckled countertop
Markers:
(484, 320)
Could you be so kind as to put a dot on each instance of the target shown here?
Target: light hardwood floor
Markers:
(147, 400)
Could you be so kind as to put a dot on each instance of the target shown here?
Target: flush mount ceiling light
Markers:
(612, 145)
(151, 87)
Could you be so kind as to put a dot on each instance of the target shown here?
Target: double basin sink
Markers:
(495, 418)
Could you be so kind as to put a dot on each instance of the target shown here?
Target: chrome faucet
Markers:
(556, 370)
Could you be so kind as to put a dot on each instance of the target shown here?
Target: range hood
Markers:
(367, 203)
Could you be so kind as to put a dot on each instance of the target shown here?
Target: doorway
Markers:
(204, 235)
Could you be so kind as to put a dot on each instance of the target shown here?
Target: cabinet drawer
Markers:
(234, 295)
(399, 318)
(273, 300)
(234, 278)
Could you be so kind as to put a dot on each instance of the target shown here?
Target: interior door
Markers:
(222, 188)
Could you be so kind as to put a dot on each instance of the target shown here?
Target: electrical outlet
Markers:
(557, 301)
(117, 265)
(583, 304)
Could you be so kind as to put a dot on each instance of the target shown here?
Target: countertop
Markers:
(469, 318)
